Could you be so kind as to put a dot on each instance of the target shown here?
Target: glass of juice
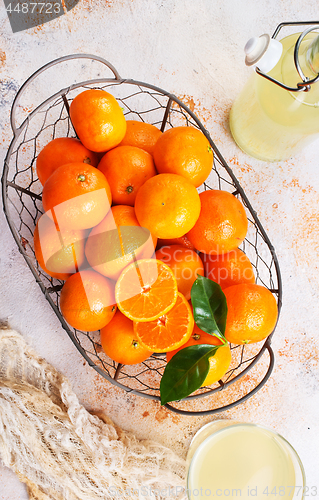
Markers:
(229, 459)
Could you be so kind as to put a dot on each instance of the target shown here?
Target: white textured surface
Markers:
(194, 49)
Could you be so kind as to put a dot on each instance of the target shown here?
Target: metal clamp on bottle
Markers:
(266, 52)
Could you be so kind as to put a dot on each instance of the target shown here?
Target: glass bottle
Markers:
(272, 123)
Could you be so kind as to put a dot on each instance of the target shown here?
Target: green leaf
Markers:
(209, 307)
(186, 372)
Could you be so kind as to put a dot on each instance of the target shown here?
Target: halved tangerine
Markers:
(169, 331)
(145, 290)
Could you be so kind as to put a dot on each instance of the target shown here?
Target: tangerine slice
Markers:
(169, 331)
(146, 289)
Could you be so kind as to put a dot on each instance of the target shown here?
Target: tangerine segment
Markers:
(145, 290)
(169, 331)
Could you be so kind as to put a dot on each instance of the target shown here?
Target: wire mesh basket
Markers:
(23, 206)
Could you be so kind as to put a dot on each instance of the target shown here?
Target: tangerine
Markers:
(59, 252)
(117, 241)
(228, 269)
(98, 119)
(146, 290)
(59, 152)
(168, 205)
(185, 264)
(142, 135)
(78, 196)
(170, 330)
(87, 301)
(126, 168)
(222, 224)
(252, 313)
(184, 151)
(218, 363)
(120, 343)
(183, 241)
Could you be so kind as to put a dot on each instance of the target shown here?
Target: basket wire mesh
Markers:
(23, 206)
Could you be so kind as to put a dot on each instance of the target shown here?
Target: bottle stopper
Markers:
(263, 52)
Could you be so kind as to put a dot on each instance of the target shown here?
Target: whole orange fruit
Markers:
(112, 242)
(184, 151)
(228, 269)
(87, 301)
(185, 264)
(78, 194)
(58, 251)
(98, 119)
(59, 152)
(183, 241)
(142, 135)
(222, 224)
(120, 343)
(252, 313)
(126, 168)
(168, 205)
(218, 363)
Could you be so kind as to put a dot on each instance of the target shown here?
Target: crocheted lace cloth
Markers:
(61, 451)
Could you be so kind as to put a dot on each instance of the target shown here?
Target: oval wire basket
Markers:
(22, 206)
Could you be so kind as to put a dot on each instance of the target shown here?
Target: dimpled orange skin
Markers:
(183, 241)
(222, 224)
(142, 135)
(120, 343)
(98, 120)
(168, 205)
(87, 301)
(59, 152)
(126, 168)
(252, 313)
(68, 183)
(184, 151)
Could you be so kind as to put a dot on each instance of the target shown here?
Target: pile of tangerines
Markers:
(115, 195)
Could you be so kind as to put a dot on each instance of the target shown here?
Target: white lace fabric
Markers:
(60, 450)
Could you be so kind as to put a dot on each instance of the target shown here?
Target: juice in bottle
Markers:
(271, 123)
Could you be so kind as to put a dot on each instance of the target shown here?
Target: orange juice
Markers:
(271, 123)
(243, 460)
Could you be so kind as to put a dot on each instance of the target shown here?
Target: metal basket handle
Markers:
(238, 401)
(16, 101)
